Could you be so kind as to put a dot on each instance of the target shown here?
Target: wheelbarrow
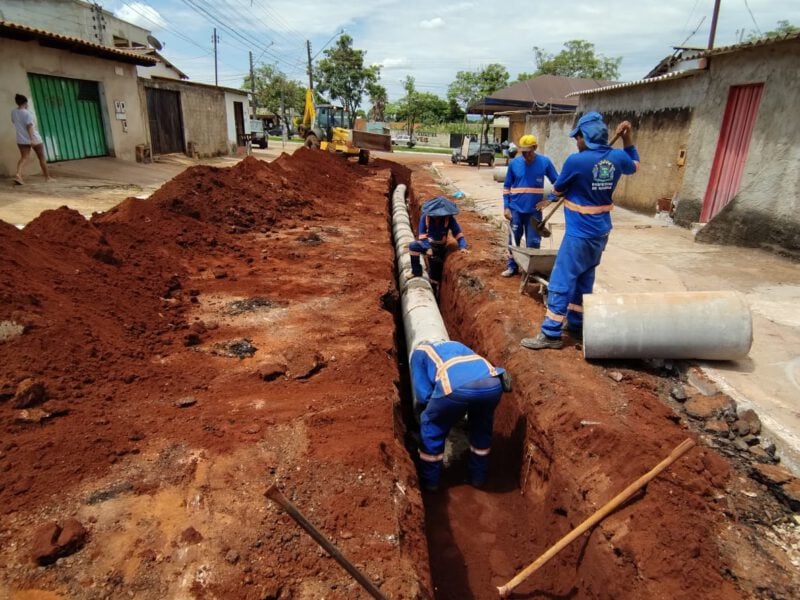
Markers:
(535, 264)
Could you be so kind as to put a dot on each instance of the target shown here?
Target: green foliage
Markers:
(524, 76)
(784, 28)
(470, 86)
(378, 98)
(270, 83)
(342, 74)
(577, 59)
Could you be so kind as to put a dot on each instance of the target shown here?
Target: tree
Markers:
(378, 97)
(342, 74)
(470, 86)
(408, 106)
(783, 28)
(577, 59)
(270, 84)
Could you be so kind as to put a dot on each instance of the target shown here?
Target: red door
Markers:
(731, 154)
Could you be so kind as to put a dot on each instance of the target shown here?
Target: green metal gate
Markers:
(68, 116)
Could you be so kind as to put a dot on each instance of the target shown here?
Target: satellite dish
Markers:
(154, 42)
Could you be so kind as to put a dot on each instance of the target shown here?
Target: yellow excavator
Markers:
(324, 127)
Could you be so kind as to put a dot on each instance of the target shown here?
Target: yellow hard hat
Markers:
(527, 142)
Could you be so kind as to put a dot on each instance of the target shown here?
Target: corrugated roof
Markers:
(24, 33)
(766, 41)
(627, 84)
(700, 54)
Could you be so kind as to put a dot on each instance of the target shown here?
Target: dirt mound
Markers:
(140, 428)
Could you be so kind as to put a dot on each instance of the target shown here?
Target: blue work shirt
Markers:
(439, 368)
(587, 182)
(433, 230)
(524, 184)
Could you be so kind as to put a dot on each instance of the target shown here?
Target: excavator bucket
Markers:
(367, 140)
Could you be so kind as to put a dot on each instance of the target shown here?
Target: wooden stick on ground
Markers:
(274, 494)
(598, 516)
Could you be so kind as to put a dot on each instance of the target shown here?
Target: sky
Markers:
(431, 40)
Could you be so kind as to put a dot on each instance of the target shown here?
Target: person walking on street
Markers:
(587, 182)
(437, 220)
(449, 382)
(522, 196)
(27, 137)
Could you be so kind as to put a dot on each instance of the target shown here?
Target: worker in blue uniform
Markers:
(437, 220)
(449, 381)
(522, 196)
(587, 182)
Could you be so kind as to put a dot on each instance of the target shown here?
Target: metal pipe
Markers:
(699, 325)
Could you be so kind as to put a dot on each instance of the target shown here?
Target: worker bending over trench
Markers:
(451, 381)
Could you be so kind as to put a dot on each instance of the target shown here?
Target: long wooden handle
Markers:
(544, 221)
(598, 516)
(274, 494)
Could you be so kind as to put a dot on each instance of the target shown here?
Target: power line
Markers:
(758, 29)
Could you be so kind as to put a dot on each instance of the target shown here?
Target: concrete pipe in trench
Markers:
(698, 325)
(422, 320)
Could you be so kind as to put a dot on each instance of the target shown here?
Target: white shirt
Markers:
(21, 118)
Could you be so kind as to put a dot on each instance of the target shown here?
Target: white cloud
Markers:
(141, 15)
(388, 64)
(434, 23)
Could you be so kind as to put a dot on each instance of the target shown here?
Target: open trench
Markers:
(160, 439)
(568, 439)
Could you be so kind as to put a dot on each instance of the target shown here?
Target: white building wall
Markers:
(117, 82)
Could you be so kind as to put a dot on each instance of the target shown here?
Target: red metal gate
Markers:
(731, 154)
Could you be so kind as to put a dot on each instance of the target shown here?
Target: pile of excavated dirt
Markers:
(165, 362)
(180, 354)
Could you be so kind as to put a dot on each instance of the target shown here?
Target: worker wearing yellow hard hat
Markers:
(522, 196)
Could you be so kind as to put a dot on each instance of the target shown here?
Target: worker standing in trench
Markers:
(437, 220)
(451, 381)
(587, 182)
(522, 196)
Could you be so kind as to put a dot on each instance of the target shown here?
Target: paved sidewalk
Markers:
(646, 254)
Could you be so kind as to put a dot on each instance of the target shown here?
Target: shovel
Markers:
(542, 227)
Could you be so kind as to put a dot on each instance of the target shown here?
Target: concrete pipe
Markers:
(499, 174)
(422, 320)
(699, 325)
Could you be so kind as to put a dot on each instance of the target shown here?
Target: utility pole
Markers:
(714, 18)
(215, 40)
(310, 72)
(284, 132)
(252, 87)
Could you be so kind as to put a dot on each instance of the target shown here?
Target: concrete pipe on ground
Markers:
(698, 325)
(499, 174)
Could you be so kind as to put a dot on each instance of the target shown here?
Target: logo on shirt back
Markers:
(603, 175)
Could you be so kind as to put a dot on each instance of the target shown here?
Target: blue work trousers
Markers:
(522, 223)
(478, 402)
(572, 277)
(435, 260)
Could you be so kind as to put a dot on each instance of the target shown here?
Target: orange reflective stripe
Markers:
(527, 190)
(437, 360)
(413, 253)
(423, 236)
(588, 210)
(553, 316)
(575, 307)
(479, 451)
(506, 191)
(459, 236)
(463, 359)
(430, 457)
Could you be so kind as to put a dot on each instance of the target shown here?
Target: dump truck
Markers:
(325, 127)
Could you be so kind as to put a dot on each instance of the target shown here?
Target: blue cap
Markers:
(439, 207)
(593, 130)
